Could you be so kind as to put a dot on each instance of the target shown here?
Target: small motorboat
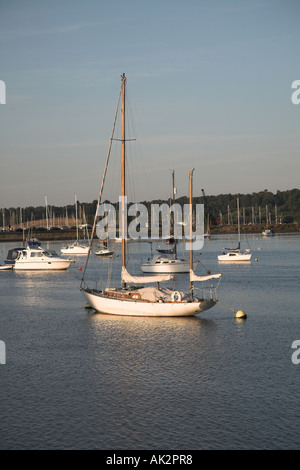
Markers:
(6, 267)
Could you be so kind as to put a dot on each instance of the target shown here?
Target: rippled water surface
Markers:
(74, 379)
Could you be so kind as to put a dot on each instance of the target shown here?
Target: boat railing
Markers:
(207, 290)
(208, 293)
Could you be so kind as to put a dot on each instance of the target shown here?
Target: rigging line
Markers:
(101, 189)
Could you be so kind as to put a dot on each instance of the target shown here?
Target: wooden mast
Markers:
(191, 230)
(238, 217)
(123, 174)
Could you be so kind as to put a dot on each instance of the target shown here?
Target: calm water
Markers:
(78, 380)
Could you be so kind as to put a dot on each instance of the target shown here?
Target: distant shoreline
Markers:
(221, 230)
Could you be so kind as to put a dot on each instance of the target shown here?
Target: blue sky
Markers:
(209, 83)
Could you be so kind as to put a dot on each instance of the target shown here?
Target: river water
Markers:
(73, 379)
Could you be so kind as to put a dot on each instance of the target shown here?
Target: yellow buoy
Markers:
(240, 314)
(256, 259)
(87, 305)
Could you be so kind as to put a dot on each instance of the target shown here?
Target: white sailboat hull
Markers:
(104, 253)
(167, 266)
(111, 306)
(75, 250)
(235, 257)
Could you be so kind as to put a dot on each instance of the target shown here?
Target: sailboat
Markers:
(235, 254)
(78, 247)
(103, 250)
(164, 264)
(132, 298)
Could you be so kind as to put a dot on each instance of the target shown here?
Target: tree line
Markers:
(260, 207)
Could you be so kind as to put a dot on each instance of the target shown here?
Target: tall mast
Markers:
(191, 230)
(123, 173)
(173, 192)
(76, 216)
(46, 205)
(238, 217)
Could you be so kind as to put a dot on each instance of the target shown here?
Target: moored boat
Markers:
(78, 247)
(235, 255)
(132, 298)
(36, 259)
(268, 233)
(161, 264)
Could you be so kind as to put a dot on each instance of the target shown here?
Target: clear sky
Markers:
(210, 81)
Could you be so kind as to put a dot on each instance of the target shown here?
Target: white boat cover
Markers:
(194, 277)
(152, 294)
(126, 277)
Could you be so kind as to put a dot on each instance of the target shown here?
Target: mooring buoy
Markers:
(240, 314)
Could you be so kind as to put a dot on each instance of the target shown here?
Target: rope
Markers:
(230, 308)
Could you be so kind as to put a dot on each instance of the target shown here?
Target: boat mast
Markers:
(191, 231)
(123, 175)
(173, 191)
(76, 216)
(46, 205)
(101, 188)
(238, 217)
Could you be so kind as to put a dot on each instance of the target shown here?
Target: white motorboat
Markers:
(6, 267)
(235, 254)
(38, 258)
(268, 233)
(137, 300)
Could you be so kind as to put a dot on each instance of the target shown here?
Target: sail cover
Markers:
(126, 277)
(194, 277)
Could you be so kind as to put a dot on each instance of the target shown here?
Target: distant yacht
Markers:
(78, 247)
(103, 250)
(160, 264)
(235, 254)
(164, 264)
(268, 233)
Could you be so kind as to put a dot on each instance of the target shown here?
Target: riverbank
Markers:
(219, 230)
(256, 228)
